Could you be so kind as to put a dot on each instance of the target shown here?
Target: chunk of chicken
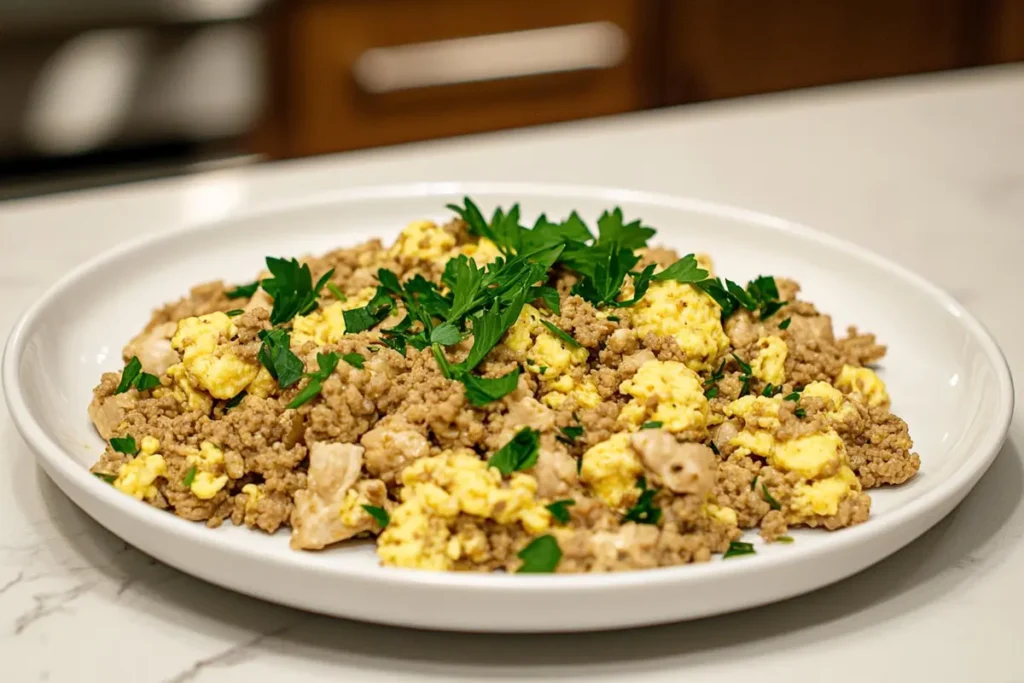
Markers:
(153, 348)
(391, 445)
(555, 469)
(316, 518)
(107, 412)
(680, 467)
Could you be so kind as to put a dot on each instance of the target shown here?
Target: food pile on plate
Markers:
(484, 395)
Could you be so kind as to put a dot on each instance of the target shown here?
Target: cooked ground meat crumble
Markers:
(641, 423)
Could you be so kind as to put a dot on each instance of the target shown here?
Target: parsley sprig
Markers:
(560, 510)
(379, 514)
(292, 288)
(737, 548)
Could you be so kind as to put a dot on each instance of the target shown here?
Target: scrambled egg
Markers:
(137, 477)
(819, 458)
(865, 383)
(435, 491)
(253, 495)
(725, 515)
(352, 512)
(327, 325)
(183, 391)
(693, 318)
(423, 241)
(551, 359)
(679, 394)
(205, 484)
(206, 363)
(482, 252)
(611, 468)
(836, 405)
(769, 365)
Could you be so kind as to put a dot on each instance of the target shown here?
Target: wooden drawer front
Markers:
(725, 48)
(377, 72)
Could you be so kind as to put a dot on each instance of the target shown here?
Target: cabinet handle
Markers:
(558, 49)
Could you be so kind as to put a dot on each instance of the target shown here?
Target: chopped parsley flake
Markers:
(800, 412)
(338, 294)
(190, 476)
(276, 356)
(560, 510)
(569, 434)
(561, 334)
(784, 539)
(540, 556)
(737, 548)
(768, 498)
(232, 402)
(794, 396)
(125, 445)
(520, 453)
(235, 312)
(653, 424)
(613, 318)
(133, 377)
(714, 448)
(784, 325)
(379, 514)
(356, 360)
(645, 511)
(109, 478)
(327, 363)
(243, 291)
(753, 484)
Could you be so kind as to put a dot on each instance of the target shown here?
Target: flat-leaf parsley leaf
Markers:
(379, 514)
(540, 556)
(520, 453)
(560, 509)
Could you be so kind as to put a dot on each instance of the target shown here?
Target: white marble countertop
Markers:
(928, 171)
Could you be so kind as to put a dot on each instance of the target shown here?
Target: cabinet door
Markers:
(726, 48)
(374, 72)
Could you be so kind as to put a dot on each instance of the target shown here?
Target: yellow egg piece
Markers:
(611, 468)
(149, 445)
(863, 382)
(769, 365)
(822, 497)
(811, 455)
(423, 240)
(137, 476)
(676, 392)
(482, 252)
(674, 309)
(205, 485)
(327, 325)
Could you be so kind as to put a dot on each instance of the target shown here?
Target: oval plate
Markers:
(947, 377)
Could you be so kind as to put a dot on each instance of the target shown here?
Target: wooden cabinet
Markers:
(362, 73)
(740, 47)
(350, 74)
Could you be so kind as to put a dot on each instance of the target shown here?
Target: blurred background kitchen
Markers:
(105, 91)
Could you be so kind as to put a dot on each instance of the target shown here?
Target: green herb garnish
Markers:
(613, 318)
(189, 476)
(784, 539)
(109, 478)
(540, 556)
(276, 356)
(747, 374)
(714, 448)
(560, 509)
(356, 360)
(753, 484)
(380, 515)
(784, 325)
(653, 424)
(569, 434)
(243, 291)
(235, 312)
(327, 363)
(711, 384)
(768, 498)
(561, 334)
(644, 512)
(520, 453)
(794, 396)
(125, 445)
(133, 377)
(338, 294)
(800, 413)
(235, 400)
(737, 548)
(292, 288)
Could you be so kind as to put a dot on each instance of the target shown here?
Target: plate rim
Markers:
(954, 486)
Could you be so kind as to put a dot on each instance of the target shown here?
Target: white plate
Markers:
(947, 377)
